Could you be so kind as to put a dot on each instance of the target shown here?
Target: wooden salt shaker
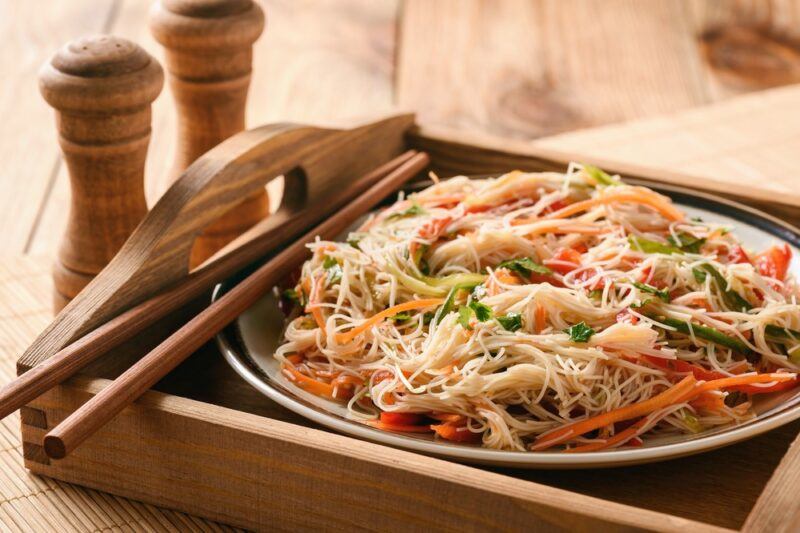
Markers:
(209, 51)
(101, 88)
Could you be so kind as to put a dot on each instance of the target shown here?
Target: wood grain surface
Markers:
(324, 60)
(526, 69)
(101, 88)
(209, 58)
(33, 503)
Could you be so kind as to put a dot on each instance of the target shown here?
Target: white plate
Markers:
(248, 345)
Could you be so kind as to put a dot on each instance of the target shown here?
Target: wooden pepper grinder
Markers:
(209, 52)
(101, 88)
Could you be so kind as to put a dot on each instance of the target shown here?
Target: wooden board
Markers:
(750, 141)
(526, 69)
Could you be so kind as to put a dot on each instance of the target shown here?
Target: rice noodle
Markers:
(504, 386)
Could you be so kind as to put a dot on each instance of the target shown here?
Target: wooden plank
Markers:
(526, 69)
(258, 473)
(455, 152)
(317, 62)
(32, 31)
(750, 142)
(777, 510)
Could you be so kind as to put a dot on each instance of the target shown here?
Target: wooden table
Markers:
(533, 69)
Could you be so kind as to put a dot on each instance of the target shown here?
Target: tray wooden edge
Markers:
(273, 452)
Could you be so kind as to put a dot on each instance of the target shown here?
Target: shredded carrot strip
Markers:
(540, 316)
(737, 381)
(668, 397)
(344, 338)
(456, 433)
(399, 428)
(295, 358)
(313, 295)
(620, 438)
(503, 275)
(652, 200)
(709, 402)
(308, 383)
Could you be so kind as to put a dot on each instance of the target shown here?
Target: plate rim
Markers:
(228, 339)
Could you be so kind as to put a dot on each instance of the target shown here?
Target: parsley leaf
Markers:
(412, 211)
(482, 311)
(662, 294)
(354, 243)
(687, 243)
(447, 306)
(525, 266)
(464, 314)
(580, 332)
(510, 322)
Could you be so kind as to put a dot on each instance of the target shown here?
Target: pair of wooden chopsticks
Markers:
(151, 368)
(131, 384)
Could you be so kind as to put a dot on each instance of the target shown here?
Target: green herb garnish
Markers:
(510, 321)
(525, 266)
(482, 311)
(687, 243)
(662, 294)
(447, 306)
(401, 317)
(580, 332)
(651, 247)
(412, 211)
(354, 243)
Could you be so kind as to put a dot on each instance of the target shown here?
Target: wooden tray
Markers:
(204, 442)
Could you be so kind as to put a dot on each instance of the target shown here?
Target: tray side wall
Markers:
(259, 473)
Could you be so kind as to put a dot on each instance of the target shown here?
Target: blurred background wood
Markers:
(535, 68)
(632, 71)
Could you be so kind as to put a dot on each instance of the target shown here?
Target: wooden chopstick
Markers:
(128, 324)
(134, 382)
